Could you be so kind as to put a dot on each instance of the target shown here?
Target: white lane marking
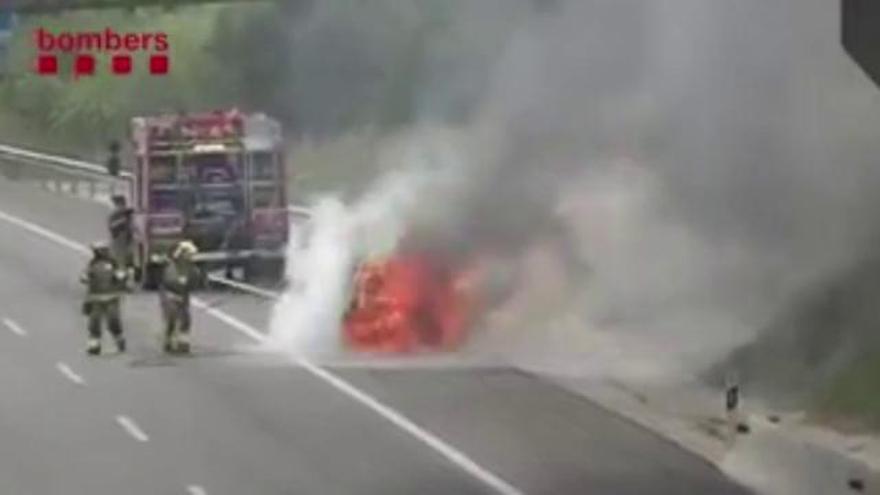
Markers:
(196, 490)
(431, 440)
(69, 373)
(230, 320)
(455, 456)
(48, 234)
(14, 327)
(132, 428)
(449, 452)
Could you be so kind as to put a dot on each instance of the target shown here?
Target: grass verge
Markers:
(852, 399)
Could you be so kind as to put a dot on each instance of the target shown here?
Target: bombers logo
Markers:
(118, 51)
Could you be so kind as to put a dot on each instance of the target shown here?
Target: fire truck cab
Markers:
(216, 179)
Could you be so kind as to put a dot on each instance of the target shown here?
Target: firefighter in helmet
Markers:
(179, 278)
(121, 232)
(105, 282)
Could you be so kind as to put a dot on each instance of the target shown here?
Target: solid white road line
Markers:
(449, 452)
(196, 490)
(132, 428)
(14, 327)
(48, 234)
(230, 320)
(69, 373)
(456, 457)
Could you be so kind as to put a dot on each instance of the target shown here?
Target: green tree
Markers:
(91, 109)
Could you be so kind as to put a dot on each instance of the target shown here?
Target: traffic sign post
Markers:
(861, 34)
(8, 21)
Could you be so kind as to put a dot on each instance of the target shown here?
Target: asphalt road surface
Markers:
(237, 420)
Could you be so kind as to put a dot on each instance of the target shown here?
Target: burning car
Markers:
(410, 302)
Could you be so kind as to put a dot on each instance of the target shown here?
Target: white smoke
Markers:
(738, 196)
(317, 271)
(322, 258)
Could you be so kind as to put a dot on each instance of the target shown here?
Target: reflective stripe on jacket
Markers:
(103, 278)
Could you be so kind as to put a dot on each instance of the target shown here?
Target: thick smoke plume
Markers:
(675, 170)
(322, 258)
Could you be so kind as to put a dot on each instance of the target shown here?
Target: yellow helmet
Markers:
(184, 248)
(99, 246)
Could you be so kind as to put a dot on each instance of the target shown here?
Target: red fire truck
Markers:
(216, 179)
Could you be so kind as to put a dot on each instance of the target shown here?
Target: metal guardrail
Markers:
(63, 174)
(96, 174)
(248, 288)
(302, 211)
(62, 164)
(89, 170)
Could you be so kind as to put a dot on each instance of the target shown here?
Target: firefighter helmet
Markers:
(184, 249)
(100, 247)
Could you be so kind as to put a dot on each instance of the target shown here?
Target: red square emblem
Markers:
(84, 65)
(121, 64)
(159, 64)
(47, 64)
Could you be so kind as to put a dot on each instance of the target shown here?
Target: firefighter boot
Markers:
(169, 341)
(116, 331)
(94, 347)
(183, 343)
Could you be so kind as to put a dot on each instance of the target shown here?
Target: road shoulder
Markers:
(780, 455)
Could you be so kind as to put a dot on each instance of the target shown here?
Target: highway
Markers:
(235, 419)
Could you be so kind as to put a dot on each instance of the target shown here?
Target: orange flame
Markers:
(408, 303)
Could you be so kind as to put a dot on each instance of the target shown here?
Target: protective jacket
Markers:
(120, 225)
(179, 279)
(103, 279)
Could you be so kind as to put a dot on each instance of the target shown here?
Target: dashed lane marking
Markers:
(196, 490)
(14, 327)
(132, 428)
(69, 373)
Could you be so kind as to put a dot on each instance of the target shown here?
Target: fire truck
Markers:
(216, 179)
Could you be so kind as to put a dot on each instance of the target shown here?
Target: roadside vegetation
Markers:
(324, 68)
(338, 73)
(822, 352)
(852, 399)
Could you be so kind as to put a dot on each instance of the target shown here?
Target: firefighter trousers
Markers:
(104, 312)
(176, 313)
(123, 252)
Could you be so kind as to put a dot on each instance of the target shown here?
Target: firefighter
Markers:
(105, 282)
(122, 232)
(179, 278)
(113, 161)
